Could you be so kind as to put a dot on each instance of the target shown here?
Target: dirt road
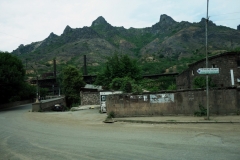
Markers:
(83, 135)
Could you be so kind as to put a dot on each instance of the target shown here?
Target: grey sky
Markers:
(26, 21)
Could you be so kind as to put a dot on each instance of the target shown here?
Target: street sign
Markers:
(208, 71)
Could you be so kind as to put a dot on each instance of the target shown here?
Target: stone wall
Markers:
(90, 98)
(221, 102)
(238, 103)
(225, 62)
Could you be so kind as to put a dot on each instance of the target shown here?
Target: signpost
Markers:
(208, 71)
(207, 18)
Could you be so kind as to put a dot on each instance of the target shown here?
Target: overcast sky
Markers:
(27, 21)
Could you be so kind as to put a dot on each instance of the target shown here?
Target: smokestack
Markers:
(26, 63)
(85, 65)
(54, 68)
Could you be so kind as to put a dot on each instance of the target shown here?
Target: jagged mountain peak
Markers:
(165, 19)
(99, 21)
(203, 22)
(165, 22)
(67, 29)
(52, 35)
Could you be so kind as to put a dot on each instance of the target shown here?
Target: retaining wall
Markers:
(45, 105)
(13, 104)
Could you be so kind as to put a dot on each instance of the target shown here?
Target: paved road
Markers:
(82, 135)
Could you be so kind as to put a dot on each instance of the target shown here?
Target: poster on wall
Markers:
(162, 98)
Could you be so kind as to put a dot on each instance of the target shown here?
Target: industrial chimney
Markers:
(54, 68)
(85, 65)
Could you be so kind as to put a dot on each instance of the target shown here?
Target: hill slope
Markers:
(167, 38)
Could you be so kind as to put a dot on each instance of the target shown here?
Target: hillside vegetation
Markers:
(167, 46)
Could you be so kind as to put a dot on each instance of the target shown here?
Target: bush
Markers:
(111, 115)
(200, 82)
(172, 87)
(202, 112)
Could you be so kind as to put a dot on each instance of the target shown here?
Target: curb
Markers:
(174, 122)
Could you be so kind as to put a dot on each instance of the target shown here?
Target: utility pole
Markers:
(59, 91)
(37, 100)
(26, 63)
(207, 87)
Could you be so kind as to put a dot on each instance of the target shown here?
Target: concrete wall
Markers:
(90, 98)
(222, 101)
(14, 104)
(45, 105)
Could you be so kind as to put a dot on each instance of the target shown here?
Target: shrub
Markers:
(111, 115)
(202, 112)
(200, 82)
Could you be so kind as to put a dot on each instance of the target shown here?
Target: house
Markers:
(229, 71)
(90, 94)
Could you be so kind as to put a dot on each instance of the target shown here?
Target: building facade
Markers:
(229, 71)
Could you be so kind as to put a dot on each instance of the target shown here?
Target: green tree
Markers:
(72, 81)
(162, 83)
(27, 91)
(200, 82)
(11, 78)
(126, 85)
(43, 92)
(118, 66)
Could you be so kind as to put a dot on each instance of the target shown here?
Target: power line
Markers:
(226, 19)
(223, 14)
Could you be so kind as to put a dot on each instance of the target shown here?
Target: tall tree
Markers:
(72, 82)
(118, 66)
(11, 78)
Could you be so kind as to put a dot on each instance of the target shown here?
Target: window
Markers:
(103, 98)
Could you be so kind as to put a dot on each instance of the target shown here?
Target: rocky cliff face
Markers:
(167, 37)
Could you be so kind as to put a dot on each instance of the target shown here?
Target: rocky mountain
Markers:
(166, 38)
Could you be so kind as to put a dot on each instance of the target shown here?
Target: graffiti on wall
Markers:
(139, 97)
(190, 96)
(162, 98)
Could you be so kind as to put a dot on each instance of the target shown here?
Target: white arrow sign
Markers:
(208, 71)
